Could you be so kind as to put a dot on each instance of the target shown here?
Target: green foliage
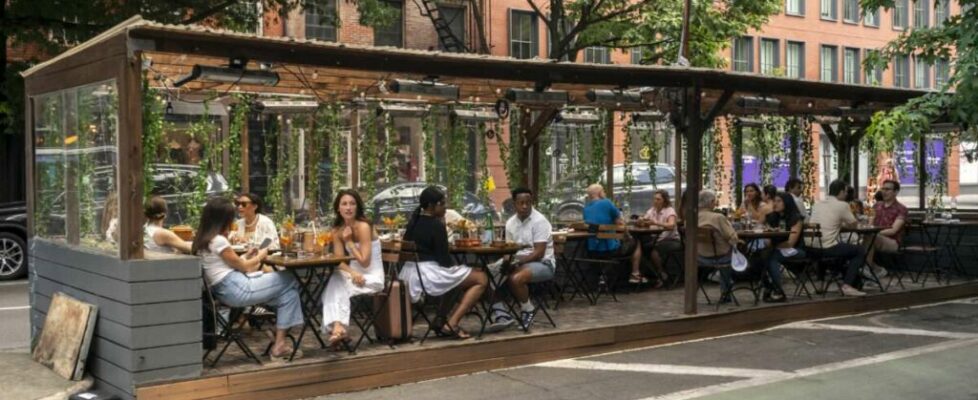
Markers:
(652, 25)
(203, 130)
(509, 153)
(238, 123)
(593, 169)
(326, 133)
(629, 176)
(368, 148)
(457, 148)
(956, 101)
(428, 125)
(152, 134)
(767, 144)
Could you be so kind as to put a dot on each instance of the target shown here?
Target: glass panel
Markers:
(521, 34)
(742, 54)
(901, 68)
(852, 66)
(942, 73)
(900, 14)
(76, 165)
(850, 11)
(942, 9)
(921, 74)
(921, 14)
(828, 9)
(321, 20)
(828, 64)
(795, 7)
(769, 56)
(455, 18)
(392, 35)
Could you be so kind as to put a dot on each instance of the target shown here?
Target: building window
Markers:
(597, 55)
(942, 10)
(921, 14)
(743, 54)
(942, 72)
(770, 56)
(871, 17)
(638, 54)
(900, 14)
(321, 20)
(523, 36)
(901, 71)
(795, 60)
(851, 66)
(921, 73)
(873, 76)
(829, 9)
(850, 11)
(393, 34)
(829, 63)
(794, 7)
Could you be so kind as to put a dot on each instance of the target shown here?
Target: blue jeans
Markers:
(278, 289)
(774, 265)
(726, 275)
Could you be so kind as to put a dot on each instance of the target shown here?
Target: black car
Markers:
(570, 192)
(13, 240)
(402, 198)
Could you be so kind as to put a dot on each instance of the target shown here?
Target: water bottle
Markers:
(488, 237)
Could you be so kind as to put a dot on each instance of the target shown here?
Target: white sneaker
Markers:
(880, 272)
(851, 291)
(501, 323)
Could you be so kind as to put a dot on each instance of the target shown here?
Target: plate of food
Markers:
(467, 242)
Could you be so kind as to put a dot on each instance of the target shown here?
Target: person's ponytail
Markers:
(414, 220)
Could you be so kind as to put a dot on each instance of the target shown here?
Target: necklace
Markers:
(251, 224)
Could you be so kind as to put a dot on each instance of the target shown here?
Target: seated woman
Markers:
(253, 227)
(662, 215)
(437, 270)
(768, 193)
(753, 204)
(155, 236)
(353, 236)
(234, 280)
(785, 213)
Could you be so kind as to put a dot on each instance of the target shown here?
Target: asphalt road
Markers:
(918, 353)
(14, 315)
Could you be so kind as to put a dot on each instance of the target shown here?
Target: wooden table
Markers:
(753, 236)
(318, 269)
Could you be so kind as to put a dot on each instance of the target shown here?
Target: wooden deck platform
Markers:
(640, 319)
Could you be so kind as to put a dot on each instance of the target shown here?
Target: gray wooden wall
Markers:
(149, 312)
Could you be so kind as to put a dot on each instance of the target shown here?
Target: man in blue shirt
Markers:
(600, 211)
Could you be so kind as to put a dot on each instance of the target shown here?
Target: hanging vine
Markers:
(238, 123)
(629, 176)
(809, 166)
(368, 148)
(456, 171)
(719, 171)
(428, 125)
(651, 146)
(509, 152)
(595, 165)
(152, 133)
(202, 131)
(337, 148)
(483, 186)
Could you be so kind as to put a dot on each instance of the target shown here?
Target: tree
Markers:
(653, 25)
(955, 41)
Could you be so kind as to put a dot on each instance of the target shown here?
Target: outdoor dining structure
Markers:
(95, 110)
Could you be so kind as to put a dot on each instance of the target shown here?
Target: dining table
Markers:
(312, 272)
(952, 231)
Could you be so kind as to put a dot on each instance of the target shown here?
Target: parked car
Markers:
(570, 192)
(13, 240)
(402, 198)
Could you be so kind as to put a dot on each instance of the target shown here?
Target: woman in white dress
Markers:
(352, 236)
(253, 227)
(155, 236)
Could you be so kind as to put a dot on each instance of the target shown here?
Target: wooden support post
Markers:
(693, 130)
(678, 152)
(530, 131)
(131, 158)
(29, 165)
(354, 166)
(609, 158)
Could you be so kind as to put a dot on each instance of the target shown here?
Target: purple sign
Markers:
(906, 160)
(752, 170)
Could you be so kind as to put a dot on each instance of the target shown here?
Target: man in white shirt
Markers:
(534, 263)
(796, 187)
(833, 214)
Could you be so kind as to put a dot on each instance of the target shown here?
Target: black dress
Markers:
(431, 239)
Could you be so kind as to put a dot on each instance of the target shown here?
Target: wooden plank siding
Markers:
(416, 363)
(149, 318)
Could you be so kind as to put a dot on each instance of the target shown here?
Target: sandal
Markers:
(284, 356)
(457, 332)
(637, 279)
(336, 342)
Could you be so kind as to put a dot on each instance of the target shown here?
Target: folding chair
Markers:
(227, 329)
(800, 269)
(364, 314)
(916, 243)
(407, 252)
(569, 269)
(609, 262)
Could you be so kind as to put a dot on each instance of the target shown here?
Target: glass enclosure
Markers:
(75, 166)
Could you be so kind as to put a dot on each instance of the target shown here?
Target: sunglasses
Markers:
(242, 203)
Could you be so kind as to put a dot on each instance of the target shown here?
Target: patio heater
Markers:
(760, 104)
(531, 97)
(235, 73)
(476, 115)
(286, 106)
(618, 99)
(427, 87)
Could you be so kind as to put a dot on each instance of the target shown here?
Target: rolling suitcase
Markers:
(394, 317)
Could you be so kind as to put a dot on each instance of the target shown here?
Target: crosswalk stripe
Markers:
(882, 330)
(664, 369)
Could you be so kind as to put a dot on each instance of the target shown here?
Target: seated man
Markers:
(535, 263)
(715, 250)
(601, 211)
(832, 214)
(890, 215)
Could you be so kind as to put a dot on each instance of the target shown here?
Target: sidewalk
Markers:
(22, 378)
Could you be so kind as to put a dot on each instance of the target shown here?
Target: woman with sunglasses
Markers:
(253, 227)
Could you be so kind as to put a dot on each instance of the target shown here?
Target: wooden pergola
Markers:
(693, 97)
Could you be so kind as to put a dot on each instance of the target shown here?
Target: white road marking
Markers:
(665, 369)
(881, 330)
(14, 308)
(821, 369)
